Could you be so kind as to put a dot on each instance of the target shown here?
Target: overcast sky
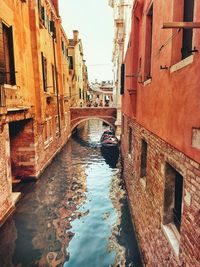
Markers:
(94, 21)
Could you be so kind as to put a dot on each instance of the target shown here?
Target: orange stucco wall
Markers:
(169, 105)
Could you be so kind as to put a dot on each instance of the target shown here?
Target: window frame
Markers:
(44, 71)
(143, 156)
(149, 43)
(7, 59)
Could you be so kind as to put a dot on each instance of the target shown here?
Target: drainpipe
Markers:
(57, 91)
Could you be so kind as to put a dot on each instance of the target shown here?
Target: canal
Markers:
(76, 214)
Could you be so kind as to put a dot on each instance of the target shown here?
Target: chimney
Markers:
(75, 36)
(55, 3)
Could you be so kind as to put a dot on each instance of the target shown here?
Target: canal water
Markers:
(76, 214)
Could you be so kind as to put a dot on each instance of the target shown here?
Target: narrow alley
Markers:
(76, 214)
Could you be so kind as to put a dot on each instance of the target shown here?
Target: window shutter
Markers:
(122, 79)
(44, 72)
(53, 29)
(39, 6)
(11, 55)
(43, 15)
(2, 62)
(187, 33)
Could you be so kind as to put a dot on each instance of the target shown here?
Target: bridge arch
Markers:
(106, 114)
(92, 118)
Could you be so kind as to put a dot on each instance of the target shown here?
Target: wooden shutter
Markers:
(11, 55)
(2, 61)
(187, 33)
(44, 72)
(122, 79)
(53, 29)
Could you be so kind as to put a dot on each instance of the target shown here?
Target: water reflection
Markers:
(71, 216)
(111, 155)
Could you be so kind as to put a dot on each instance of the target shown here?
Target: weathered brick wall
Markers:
(5, 180)
(45, 153)
(147, 202)
(22, 145)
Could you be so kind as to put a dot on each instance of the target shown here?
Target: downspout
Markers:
(57, 91)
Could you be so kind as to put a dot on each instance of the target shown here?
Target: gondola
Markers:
(108, 139)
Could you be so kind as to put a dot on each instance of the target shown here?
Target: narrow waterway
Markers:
(76, 214)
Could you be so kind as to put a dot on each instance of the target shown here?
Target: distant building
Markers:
(122, 24)
(78, 71)
(101, 94)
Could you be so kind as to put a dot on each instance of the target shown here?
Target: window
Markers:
(57, 124)
(148, 45)
(187, 33)
(182, 43)
(44, 72)
(122, 79)
(66, 52)
(39, 6)
(130, 132)
(43, 15)
(53, 77)
(52, 28)
(71, 63)
(48, 25)
(143, 164)
(173, 197)
(7, 65)
(79, 93)
(47, 131)
(62, 46)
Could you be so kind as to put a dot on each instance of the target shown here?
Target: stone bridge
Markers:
(106, 114)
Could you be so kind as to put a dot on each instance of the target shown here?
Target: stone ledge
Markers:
(9, 212)
(147, 82)
(15, 197)
(183, 63)
(172, 236)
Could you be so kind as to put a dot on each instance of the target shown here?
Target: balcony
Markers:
(11, 100)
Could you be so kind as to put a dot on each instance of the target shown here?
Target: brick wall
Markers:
(5, 180)
(146, 197)
(22, 145)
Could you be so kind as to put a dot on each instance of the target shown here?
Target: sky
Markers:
(94, 21)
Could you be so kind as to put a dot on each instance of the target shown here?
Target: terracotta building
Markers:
(34, 92)
(161, 130)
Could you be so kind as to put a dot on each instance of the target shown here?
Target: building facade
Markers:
(34, 92)
(161, 131)
(101, 94)
(78, 71)
(122, 16)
